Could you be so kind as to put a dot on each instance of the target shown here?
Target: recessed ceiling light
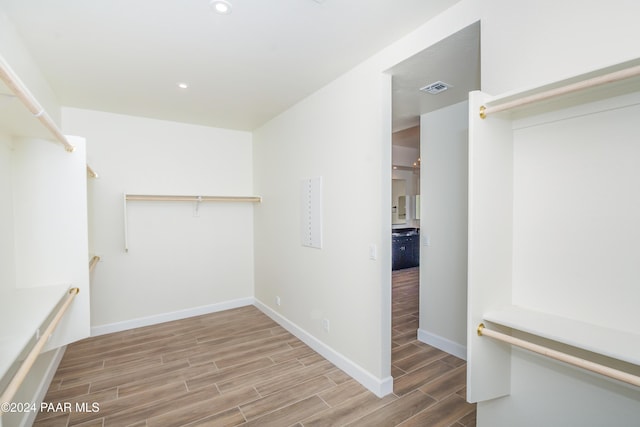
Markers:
(183, 85)
(223, 7)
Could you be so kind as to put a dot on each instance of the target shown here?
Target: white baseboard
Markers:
(443, 344)
(379, 386)
(167, 317)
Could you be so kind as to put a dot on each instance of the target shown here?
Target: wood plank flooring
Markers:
(238, 367)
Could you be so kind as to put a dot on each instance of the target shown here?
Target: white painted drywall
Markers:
(334, 140)
(576, 210)
(7, 250)
(342, 133)
(176, 261)
(443, 264)
(548, 393)
(50, 226)
(526, 44)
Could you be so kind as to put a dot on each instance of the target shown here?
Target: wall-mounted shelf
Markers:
(615, 343)
(553, 208)
(17, 89)
(544, 349)
(618, 79)
(24, 311)
(42, 336)
(179, 198)
(165, 198)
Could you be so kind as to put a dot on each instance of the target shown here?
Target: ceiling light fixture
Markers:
(222, 7)
(183, 85)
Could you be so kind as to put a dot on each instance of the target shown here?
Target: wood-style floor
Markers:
(238, 367)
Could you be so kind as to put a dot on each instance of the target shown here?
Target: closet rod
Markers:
(18, 88)
(93, 262)
(564, 90)
(563, 357)
(19, 377)
(91, 172)
(152, 198)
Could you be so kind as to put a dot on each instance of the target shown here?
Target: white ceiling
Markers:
(454, 60)
(127, 56)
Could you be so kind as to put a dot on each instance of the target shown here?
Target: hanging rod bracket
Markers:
(480, 328)
(196, 212)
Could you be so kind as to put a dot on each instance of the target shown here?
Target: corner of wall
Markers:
(443, 344)
(379, 386)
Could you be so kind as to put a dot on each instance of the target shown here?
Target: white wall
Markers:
(50, 226)
(7, 256)
(339, 282)
(177, 263)
(547, 393)
(587, 218)
(343, 133)
(443, 273)
(525, 44)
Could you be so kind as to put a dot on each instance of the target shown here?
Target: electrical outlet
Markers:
(278, 302)
(325, 325)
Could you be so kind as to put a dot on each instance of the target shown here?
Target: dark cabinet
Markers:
(405, 248)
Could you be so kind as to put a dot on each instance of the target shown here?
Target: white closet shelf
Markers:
(170, 198)
(182, 198)
(23, 311)
(17, 89)
(618, 344)
(603, 90)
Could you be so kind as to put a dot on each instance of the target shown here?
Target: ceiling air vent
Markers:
(436, 87)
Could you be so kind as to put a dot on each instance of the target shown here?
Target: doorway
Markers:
(429, 95)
